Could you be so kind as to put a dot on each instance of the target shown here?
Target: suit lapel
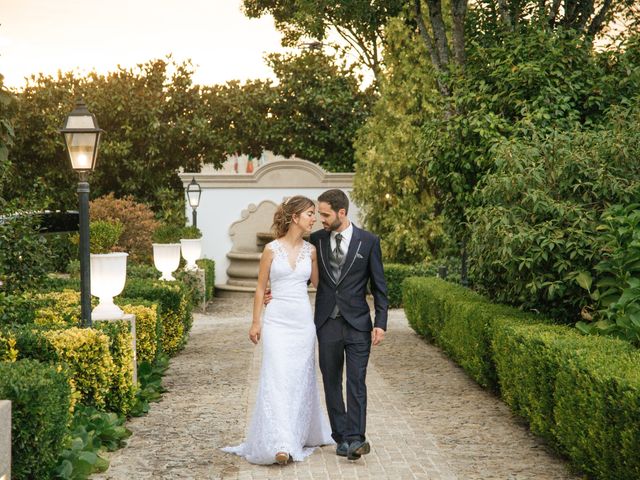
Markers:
(354, 248)
(325, 247)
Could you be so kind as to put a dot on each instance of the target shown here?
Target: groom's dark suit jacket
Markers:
(363, 264)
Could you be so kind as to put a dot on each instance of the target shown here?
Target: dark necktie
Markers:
(337, 253)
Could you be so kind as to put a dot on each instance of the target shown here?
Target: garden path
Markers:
(427, 418)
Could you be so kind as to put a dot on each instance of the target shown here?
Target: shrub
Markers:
(16, 309)
(105, 235)
(8, 350)
(138, 221)
(25, 259)
(62, 250)
(58, 309)
(536, 226)
(597, 420)
(395, 273)
(580, 392)
(121, 395)
(40, 411)
(425, 301)
(167, 233)
(191, 232)
(86, 352)
(209, 267)
(174, 311)
(193, 287)
(615, 290)
(147, 327)
(142, 271)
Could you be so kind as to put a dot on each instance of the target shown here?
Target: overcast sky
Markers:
(51, 35)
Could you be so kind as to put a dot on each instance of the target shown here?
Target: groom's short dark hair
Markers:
(336, 198)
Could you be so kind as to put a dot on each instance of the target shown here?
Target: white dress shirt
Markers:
(346, 239)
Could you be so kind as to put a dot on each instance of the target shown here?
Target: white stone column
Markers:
(5, 440)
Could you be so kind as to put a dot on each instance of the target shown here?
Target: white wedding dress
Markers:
(287, 416)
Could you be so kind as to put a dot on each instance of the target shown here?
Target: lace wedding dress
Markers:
(287, 416)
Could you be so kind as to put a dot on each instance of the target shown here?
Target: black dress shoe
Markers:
(357, 448)
(342, 449)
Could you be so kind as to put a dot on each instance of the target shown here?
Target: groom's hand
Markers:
(267, 296)
(377, 336)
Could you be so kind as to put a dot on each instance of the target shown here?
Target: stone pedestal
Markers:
(202, 287)
(5, 440)
(131, 318)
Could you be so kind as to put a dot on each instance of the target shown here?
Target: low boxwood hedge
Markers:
(174, 309)
(395, 273)
(582, 393)
(40, 397)
(98, 359)
(121, 395)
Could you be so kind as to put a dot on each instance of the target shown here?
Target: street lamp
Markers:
(193, 194)
(81, 137)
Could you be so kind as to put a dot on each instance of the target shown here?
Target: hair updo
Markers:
(286, 210)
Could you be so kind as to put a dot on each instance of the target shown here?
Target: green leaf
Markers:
(585, 280)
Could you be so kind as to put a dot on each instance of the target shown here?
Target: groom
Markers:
(348, 259)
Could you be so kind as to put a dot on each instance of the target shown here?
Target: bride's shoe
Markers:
(282, 458)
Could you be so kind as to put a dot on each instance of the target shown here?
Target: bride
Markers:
(287, 420)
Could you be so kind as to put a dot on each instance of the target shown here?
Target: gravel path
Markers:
(426, 418)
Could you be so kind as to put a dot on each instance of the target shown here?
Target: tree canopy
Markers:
(360, 23)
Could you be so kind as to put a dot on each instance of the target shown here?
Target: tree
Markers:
(360, 23)
(238, 115)
(7, 111)
(153, 124)
(316, 109)
(395, 195)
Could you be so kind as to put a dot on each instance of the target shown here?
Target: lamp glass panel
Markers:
(80, 121)
(81, 147)
(194, 198)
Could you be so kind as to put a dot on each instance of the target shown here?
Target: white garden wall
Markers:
(226, 194)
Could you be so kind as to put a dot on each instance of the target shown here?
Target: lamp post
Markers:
(82, 136)
(193, 194)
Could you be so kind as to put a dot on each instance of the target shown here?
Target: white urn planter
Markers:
(191, 251)
(166, 258)
(108, 275)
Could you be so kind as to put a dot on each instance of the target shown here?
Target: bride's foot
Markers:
(282, 458)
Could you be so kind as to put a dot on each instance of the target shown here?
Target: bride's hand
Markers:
(254, 333)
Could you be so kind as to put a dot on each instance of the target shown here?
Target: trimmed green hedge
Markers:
(40, 397)
(175, 308)
(122, 393)
(582, 393)
(395, 273)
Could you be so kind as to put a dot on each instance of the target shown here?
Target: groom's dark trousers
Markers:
(348, 334)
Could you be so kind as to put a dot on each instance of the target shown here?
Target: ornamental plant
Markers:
(103, 236)
(137, 219)
(167, 233)
(614, 285)
(191, 232)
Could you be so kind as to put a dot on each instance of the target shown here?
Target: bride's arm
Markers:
(258, 299)
(314, 268)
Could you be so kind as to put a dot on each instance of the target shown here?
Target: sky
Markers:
(50, 35)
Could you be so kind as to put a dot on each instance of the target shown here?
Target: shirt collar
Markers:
(346, 233)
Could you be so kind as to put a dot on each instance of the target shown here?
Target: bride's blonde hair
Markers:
(286, 210)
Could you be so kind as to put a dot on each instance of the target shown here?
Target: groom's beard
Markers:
(333, 226)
